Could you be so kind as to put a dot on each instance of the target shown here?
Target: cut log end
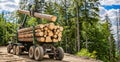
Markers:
(53, 18)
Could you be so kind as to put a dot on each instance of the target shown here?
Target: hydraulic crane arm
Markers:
(24, 20)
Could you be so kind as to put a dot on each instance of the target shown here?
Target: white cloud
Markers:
(9, 5)
(110, 2)
(102, 12)
(112, 15)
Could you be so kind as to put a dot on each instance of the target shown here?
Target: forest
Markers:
(84, 33)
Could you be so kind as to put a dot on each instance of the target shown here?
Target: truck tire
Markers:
(8, 49)
(18, 50)
(60, 53)
(39, 53)
(31, 52)
(14, 49)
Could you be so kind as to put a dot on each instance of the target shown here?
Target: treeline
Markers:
(7, 30)
(83, 34)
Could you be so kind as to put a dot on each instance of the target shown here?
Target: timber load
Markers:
(40, 15)
(42, 32)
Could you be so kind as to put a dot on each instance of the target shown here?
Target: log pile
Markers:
(43, 33)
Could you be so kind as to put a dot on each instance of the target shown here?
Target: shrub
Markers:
(84, 52)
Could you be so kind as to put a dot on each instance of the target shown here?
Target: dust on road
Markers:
(6, 57)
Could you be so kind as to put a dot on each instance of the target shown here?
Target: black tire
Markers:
(39, 53)
(14, 49)
(8, 49)
(18, 50)
(31, 52)
(51, 56)
(60, 53)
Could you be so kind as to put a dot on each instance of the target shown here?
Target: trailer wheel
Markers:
(18, 50)
(14, 49)
(51, 56)
(39, 53)
(31, 52)
(60, 53)
(8, 49)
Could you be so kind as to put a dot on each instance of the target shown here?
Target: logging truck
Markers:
(38, 40)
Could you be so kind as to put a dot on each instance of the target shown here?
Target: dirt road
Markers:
(5, 57)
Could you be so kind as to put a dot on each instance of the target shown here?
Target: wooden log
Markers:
(48, 39)
(45, 28)
(39, 26)
(55, 27)
(61, 28)
(50, 33)
(30, 28)
(31, 35)
(51, 26)
(60, 34)
(29, 32)
(26, 39)
(25, 29)
(56, 33)
(39, 15)
(55, 40)
(48, 30)
(40, 34)
(58, 30)
(59, 38)
(45, 33)
(39, 39)
(55, 36)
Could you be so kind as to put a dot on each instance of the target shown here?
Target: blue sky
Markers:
(109, 7)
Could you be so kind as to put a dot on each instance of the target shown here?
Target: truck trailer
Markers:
(35, 41)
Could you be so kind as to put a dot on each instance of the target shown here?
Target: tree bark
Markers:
(78, 30)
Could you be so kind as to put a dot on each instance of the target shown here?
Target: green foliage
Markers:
(6, 30)
(85, 53)
(32, 21)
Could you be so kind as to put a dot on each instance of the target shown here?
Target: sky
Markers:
(9, 5)
(109, 7)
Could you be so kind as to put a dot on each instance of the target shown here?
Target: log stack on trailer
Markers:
(43, 33)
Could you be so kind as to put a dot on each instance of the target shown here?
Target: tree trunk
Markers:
(78, 28)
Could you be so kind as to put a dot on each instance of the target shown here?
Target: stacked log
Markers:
(43, 33)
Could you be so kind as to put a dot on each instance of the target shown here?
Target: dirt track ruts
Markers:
(6, 57)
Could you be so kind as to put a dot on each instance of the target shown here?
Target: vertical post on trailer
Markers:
(17, 36)
(34, 38)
